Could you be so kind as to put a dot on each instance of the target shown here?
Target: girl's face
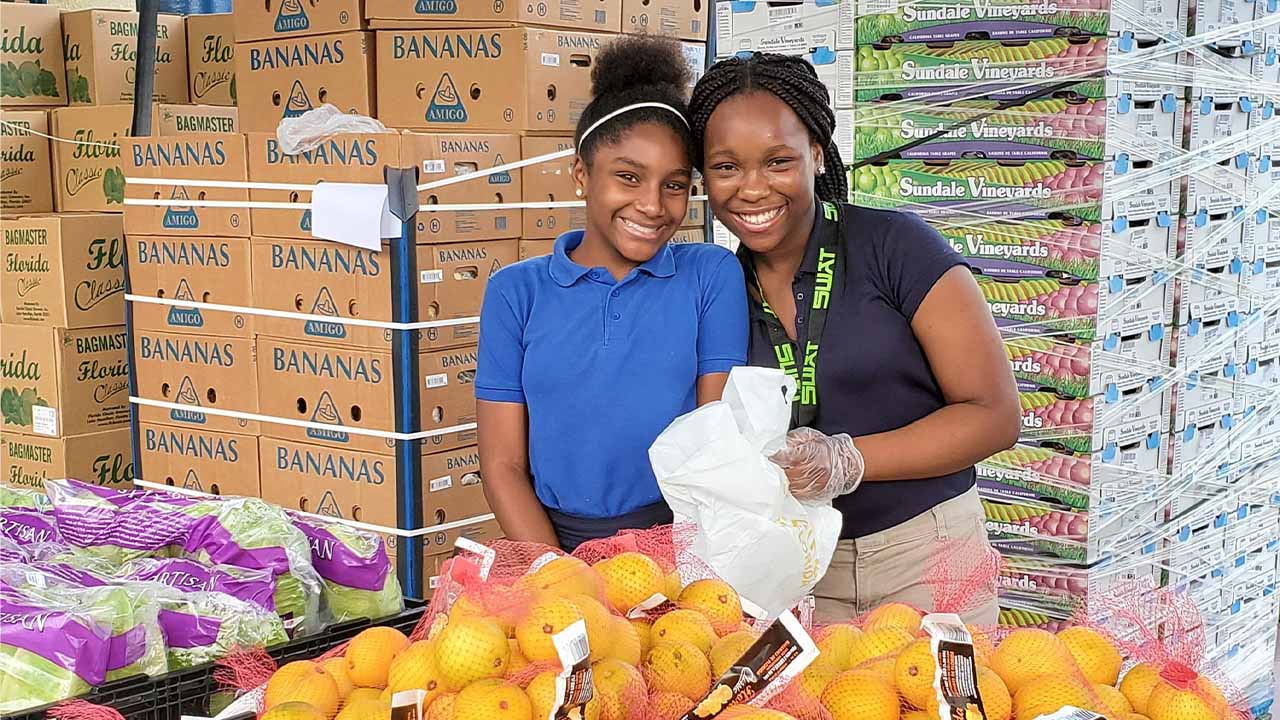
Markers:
(759, 168)
(637, 190)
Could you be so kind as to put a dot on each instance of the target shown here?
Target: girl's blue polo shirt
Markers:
(603, 367)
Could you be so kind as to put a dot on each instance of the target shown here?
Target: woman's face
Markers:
(637, 190)
(759, 167)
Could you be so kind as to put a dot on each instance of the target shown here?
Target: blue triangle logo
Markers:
(328, 505)
(324, 305)
(187, 396)
(500, 178)
(327, 413)
(180, 217)
(305, 222)
(436, 7)
(192, 482)
(292, 17)
(298, 102)
(185, 317)
(446, 105)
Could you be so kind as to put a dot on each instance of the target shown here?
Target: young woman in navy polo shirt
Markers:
(588, 354)
(903, 383)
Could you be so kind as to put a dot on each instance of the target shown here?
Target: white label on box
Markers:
(550, 59)
(441, 483)
(433, 167)
(44, 420)
(437, 381)
(427, 277)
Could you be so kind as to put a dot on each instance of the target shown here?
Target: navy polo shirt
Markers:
(603, 366)
(872, 374)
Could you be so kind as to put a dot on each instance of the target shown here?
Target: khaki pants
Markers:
(891, 565)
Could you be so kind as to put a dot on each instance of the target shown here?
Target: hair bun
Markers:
(634, 61)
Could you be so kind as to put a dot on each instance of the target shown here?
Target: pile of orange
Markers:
(493, 656)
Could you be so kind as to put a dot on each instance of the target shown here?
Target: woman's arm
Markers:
(504, 468)
(962, 344)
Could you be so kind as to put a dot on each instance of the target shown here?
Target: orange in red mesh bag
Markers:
(1164, 632)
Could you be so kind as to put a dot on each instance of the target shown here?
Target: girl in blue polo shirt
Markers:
(588, 354)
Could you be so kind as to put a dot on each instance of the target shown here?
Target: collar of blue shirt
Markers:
(566, 272)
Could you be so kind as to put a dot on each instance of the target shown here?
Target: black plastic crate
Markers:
(188, 691)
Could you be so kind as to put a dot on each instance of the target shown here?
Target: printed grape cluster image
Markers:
(1022, 618)
(1071, 307)
(1068, 420)
(1037, 529)
(1063, 366)
(1047, 464)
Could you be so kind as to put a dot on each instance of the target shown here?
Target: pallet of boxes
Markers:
(64, 94)
(461, 90)
(67, 94)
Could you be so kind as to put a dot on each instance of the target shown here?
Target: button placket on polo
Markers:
(612, 316)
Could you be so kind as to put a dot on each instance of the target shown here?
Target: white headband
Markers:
(629, 108)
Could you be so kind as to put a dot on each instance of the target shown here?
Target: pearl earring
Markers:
(578, 192)
(822, 170)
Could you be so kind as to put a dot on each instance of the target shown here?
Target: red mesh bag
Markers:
(661, 630)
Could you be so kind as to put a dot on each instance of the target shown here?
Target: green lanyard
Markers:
(804, 406)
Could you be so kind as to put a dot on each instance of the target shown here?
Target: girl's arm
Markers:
(981, 418)
(504, 466)
(711, 387)
(722, 326)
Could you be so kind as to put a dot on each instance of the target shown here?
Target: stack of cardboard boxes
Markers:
(461, 90)
(68, 85)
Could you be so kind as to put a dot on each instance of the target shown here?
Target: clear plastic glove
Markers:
(819, 467)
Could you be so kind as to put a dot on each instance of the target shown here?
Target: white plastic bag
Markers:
(713, 468)
(306, 131)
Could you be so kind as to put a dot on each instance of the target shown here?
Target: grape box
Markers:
(890, 66)
(936, 21)
(1084, 425)
(1084, 250)
(1109, 367)
(1025, 298)
(962, 187)
(1064, 126)
(1036, 529)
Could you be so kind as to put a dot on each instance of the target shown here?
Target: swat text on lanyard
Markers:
(804, 406)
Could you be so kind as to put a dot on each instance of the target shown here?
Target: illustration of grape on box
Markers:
(1061, 244)
(1025, 618)
(1028, 471)
(1043, 583)
(1049, 415)
(1049, 362)
(1055, 304)
(1027, 189)
(1067, 126)
(1036, 529)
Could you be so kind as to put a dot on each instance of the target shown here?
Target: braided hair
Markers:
(793, 81)
(636, 69)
